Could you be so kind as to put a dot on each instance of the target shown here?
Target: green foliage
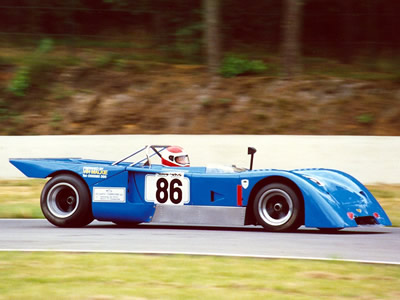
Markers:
(56, 120)
(233, 65)
(20, 82)
(45, 46)
(4, 111)
(104, 60)
(56, 117)
(31, 69)
(111, 60)
(365, 118)
(120, 64)
(188, 40)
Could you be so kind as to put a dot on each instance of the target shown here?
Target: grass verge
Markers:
(128, 276)
(20, 199)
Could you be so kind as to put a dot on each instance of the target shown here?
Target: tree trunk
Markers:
(291, 48)
(211, 34)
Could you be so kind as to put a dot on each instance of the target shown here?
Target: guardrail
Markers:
(371, 159)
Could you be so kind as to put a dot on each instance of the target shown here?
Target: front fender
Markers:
(320, 209)
(334, 199)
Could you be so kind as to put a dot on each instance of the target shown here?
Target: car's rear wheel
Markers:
(278, 208)
(65, 201)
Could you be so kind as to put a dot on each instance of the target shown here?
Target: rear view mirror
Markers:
(251, 151)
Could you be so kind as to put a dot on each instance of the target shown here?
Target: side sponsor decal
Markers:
(167, 188)
(94, 172)
(109, 194)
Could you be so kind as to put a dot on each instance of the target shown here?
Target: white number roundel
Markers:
(167, 188)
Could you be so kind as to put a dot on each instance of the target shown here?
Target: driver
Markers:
(175, 156)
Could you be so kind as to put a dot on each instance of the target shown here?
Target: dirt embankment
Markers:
(183, 99)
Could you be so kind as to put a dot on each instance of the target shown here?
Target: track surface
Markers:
(373, 244)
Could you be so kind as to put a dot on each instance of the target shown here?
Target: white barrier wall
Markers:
(370, 159)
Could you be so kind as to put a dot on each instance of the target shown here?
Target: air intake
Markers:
(366, 221)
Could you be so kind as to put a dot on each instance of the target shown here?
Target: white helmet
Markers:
(175, 156)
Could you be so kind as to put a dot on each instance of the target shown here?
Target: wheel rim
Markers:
(275, 207)
(62, 200)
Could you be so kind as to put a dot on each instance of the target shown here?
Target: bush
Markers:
(20, 82)
(234, 65)
(33, 66)
(45, 46)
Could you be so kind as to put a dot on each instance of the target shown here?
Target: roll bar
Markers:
(156, 151)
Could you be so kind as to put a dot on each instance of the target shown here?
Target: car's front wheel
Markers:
(278, 208)
(65, 201)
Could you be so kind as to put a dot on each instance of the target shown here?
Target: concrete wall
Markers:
(370, 159)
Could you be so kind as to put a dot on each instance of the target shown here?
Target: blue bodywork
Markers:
(332, 199)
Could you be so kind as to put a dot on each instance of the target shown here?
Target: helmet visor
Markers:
(182, 160)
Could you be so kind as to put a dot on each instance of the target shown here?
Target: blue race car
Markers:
(173, 192)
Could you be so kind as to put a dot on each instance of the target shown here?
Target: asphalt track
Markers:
(371, 244)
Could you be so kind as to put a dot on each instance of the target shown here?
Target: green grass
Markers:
(127, 276)
(20, 199)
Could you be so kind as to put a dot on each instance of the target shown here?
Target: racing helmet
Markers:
(175, 156)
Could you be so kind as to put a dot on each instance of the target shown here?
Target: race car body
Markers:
(81, 190)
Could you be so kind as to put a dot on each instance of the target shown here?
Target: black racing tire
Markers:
(65, 201)
(278, 208)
